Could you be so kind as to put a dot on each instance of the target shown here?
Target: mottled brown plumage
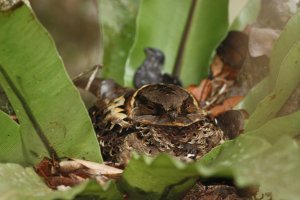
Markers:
(155, 118)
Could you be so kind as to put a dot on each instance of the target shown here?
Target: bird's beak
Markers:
(172, 115)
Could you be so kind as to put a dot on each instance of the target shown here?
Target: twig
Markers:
(187, 28)
(87, 72)
(92, 77)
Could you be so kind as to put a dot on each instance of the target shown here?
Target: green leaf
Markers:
(10, 143)
(148, 178)
(251, 161)
(255, 95)
(160, 24)
(275, 128)
(232, 154)
(247, 15)
(118, 20)
(269, 133)
(287, 81)
(94, 191)
(282, 159)
(267, 157)
(17, 182)
(288, 37)
(42, 95)
(209, 27)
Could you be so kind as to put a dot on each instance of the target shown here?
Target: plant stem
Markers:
(186, 31)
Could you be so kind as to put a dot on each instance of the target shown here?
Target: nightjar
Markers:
(153, 119)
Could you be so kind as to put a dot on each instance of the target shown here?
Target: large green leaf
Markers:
(267, 157)
(42, 95)
(270, 133)
(10, 143)
(209, 26)
(189, 45)
(160, 24)
(93, 190)
(146, 178)
(255, 95)
(118, 20)
(287, 80)
(252, 161)
(289, 36)
(277, 127)
(247, 15)
(17, 182)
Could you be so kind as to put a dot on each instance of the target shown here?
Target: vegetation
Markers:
(53, 121)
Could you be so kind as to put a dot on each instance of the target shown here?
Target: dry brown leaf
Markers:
(226, 105)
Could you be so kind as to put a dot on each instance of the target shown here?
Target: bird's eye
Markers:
(150, 107)
(188, 107)
(154, 109)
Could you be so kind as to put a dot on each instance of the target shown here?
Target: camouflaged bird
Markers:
(153, 119)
